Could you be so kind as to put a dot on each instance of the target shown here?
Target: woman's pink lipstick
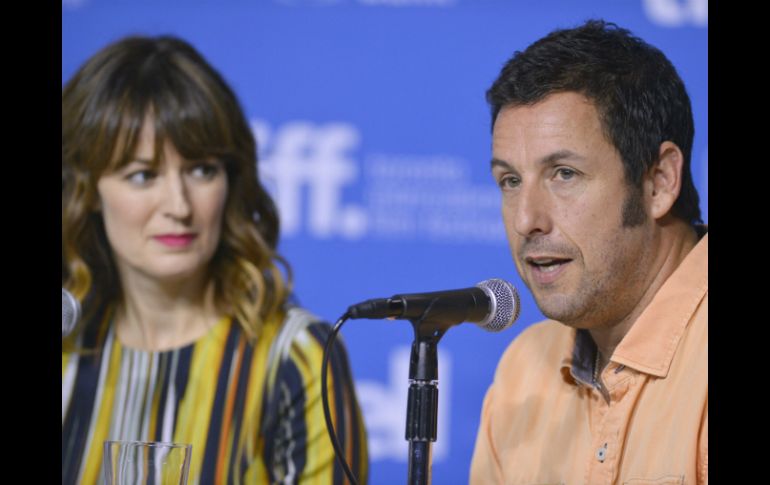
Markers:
(175, 240)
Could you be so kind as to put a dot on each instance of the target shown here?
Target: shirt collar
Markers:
(650, 344)
(581, 367)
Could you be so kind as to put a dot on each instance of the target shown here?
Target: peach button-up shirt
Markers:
(544, 421)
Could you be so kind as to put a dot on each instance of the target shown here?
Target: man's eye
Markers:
(508, 182)
(565, 173)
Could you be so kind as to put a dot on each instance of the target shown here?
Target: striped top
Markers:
(252, 412)
(545, 420)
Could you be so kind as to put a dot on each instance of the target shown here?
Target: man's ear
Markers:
(664, 180)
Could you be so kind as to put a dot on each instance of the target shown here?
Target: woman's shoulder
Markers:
(300, 327)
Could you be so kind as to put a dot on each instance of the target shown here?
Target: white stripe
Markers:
(133, 418)
(291, 468)
(297, 320)
(233, 361)
(103, 371)
(133, 415)
(151, 385)
(119, 406)
(128, 406)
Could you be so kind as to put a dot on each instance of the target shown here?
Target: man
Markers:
(592, 135)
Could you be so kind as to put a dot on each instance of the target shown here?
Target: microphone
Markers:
(70, 312)
(492, 304)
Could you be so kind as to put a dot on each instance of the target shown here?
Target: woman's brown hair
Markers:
(104, 106)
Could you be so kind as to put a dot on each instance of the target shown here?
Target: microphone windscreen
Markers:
(505, 304)
(70, 312)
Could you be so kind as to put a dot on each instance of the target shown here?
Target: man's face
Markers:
(563, 195)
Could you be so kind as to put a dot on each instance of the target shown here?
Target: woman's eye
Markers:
(205, 170)
(140, 177)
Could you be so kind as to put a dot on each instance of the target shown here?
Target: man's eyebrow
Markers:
(496, 162)
(559, 155)
(549, 159)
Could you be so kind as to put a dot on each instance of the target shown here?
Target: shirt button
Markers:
(601, 453)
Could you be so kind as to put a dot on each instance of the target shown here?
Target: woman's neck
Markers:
(156, 316)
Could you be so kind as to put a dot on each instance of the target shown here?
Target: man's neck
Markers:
(676, 241)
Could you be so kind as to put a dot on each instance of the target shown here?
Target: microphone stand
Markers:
(422, 400)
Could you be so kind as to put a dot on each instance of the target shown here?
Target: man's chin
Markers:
(558, 308)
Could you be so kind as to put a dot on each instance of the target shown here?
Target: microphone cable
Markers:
(325, 399)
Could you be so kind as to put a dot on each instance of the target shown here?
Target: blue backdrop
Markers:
(374, 139)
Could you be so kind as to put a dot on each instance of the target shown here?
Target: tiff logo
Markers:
(303, 157)
(675, 13)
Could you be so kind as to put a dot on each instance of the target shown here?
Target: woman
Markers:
(169, 240)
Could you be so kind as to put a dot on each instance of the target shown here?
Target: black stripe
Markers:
(345, 399)
(340, 401)
(181, 380)
(321, 332)
(240, 402)
(277, 438)
(76, 426)
(358, 446)
(208, 469)
(164, 372)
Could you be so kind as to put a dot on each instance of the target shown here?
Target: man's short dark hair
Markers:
(641, 99)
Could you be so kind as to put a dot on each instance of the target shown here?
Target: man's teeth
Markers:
(548, 267)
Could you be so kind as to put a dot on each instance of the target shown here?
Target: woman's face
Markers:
(164, 222)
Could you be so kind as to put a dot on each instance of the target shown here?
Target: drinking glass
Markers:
(142, 462)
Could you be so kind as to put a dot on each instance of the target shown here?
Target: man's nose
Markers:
(531, 210)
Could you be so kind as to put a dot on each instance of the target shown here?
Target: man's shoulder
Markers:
(544, 328)
(546, 341)
(545, 333)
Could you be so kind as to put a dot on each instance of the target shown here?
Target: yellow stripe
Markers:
(320, 464)
(363, 447)
(195, 407)
(226, 433)
(251, 442)
(101, 429)
(65, 358)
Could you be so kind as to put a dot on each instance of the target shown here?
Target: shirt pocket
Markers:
(667, 480)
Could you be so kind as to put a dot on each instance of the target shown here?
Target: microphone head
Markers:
(70, 312)
(505, 305)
